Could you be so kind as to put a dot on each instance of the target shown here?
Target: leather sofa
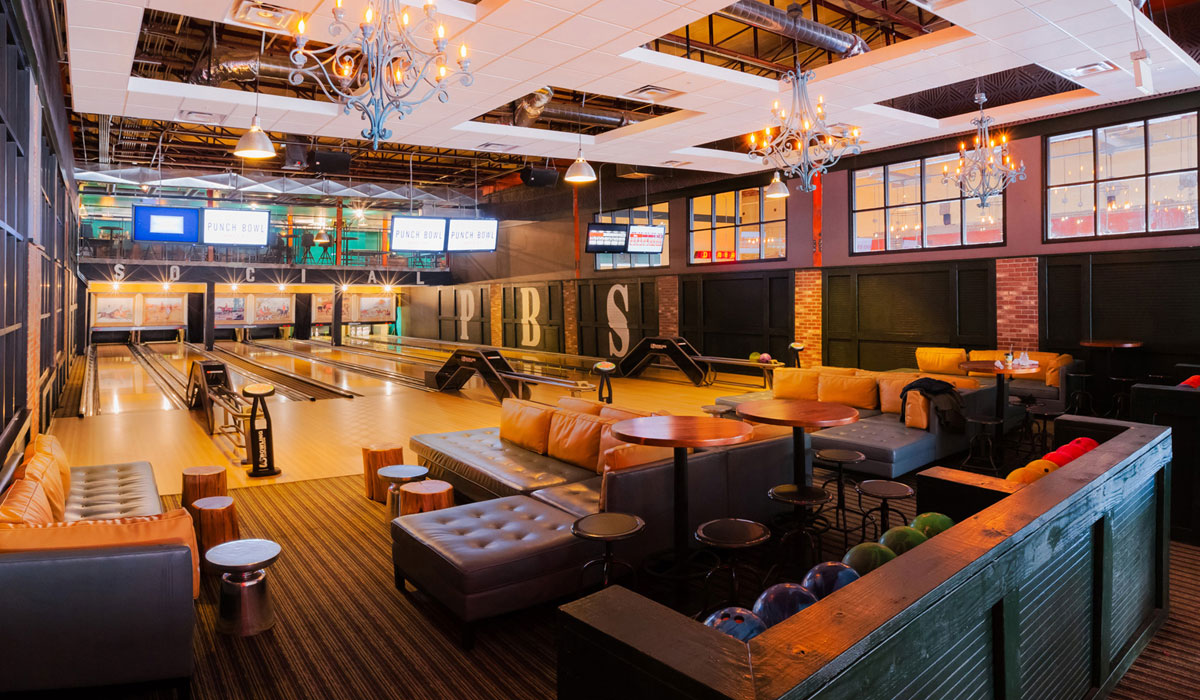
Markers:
(1047, 387)
(95, 615)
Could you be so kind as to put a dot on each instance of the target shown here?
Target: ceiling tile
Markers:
(527, 16)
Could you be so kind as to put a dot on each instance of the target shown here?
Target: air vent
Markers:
(197, 117)
(651, 93)
(494, 146)
(1089, 69)
(261, 14)
(676, 163)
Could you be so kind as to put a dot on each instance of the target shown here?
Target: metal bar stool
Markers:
(985, 458)
(885, 491)
(805, 523)
(1043, 417)
(839, 459)
(732, 536)
(607, 528)
(1080, 401)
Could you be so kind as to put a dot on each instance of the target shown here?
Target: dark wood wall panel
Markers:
(532, 316)
(419, 312)
(457, 314)
(875, 317)
(615, 314)
(735, 314)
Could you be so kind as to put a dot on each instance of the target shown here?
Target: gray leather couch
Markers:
(104, 616)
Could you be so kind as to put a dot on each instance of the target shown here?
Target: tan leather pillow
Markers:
(621, 413)
(989, 356)
(941, 360)
(916, 410)
(958, 382)
(43, 468)
(48, 444)
(588, 406)
(1055, 367)
(25, 503)
(526, 424)
(575, 439)
(826, 369)
(859, 392)
(890, 386)
(793, 383)
(628, 455)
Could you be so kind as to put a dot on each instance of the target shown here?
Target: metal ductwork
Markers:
(791, 24)
(239, 67)
(539, 105)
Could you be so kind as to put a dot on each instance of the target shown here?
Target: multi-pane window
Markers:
(738, 225)
(648, 215)
(906, 205)
(1123, 179)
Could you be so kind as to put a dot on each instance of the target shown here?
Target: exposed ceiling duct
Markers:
(238, 66)
(791, 24)
(540, 105)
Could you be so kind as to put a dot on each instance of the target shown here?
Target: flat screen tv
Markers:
(166, 224)
(646, 239)
(418, 234)
(478, 235)
(606, 238)
(235, 226)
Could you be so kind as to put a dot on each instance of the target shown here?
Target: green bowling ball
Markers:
(867, 556)
(901, 538)
(754, 356)
(930, 524)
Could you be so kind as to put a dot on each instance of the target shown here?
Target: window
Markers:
(652, 215)
(1125, 179)
(906, 206)
(739, 225)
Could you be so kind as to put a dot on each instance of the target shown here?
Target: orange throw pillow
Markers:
(525, 424)
(826, 369)
(890, 386)
(588, 406)
(25, 503)
(793, 383)
(48, 444)
(916, 410)
(859, 392)
(616, 413)
(173, 527)
(941, 360)
(575, 439)
(44, 469)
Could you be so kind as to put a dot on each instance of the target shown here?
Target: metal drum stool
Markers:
(839, 459)
(720, 410)
(730, 535)
(804, 523)
(885, 491)
(245, 607)
(607, 528)
(398, 475)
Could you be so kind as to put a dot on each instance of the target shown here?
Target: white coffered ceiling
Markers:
(595, 46)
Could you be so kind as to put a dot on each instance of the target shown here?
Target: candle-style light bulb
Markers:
(300, 26)
(441, 31)
(462, 51)
(370, 14)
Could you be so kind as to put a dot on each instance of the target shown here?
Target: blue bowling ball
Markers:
(826, 578)
(738, 623)
(781, 601)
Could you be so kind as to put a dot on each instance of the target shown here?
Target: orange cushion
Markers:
(620, 413)
(626, 455)
(25, 503)
(525, 424)
(44, 469)
(916, 410)
(792, 383)
(1050, 365)
(990, 356)
(958, 382)
(890, 386)
(48, 444)
(589, 406)
(859, 392)
(762, 431)
(174, 527)
(941, 360)
(575, 439)
(825, 369)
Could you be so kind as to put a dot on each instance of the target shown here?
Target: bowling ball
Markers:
(1086, 442)
(754, 356)
(901, 538)
(1041, 467)
(826, 578)
(930, 524)
(1023, 475)
(1072, 451)
(781, 601)
(738, 623)
(764, 358)
(1057, 457)
(867, 556)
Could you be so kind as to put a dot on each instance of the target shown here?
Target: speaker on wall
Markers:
(295, 156)
(539, 177)
(329, 162)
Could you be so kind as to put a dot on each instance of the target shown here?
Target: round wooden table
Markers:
(681, 433)
(1114, 380)
(798, 414)
(1110, 344)
(1001, 373)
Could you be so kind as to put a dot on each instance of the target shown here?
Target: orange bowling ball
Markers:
(1023, 476)
(1041, 466)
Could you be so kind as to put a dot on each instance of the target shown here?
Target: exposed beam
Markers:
(894, 16)
(676, 40)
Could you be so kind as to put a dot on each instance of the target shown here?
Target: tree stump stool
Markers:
(202, 482)
(216, 522)
(375, 457)
(424, 496)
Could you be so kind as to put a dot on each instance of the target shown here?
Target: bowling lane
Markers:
(123, 386)
(321, 350)
(180, 357)
(350, 381)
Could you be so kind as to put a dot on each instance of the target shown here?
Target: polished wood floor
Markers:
(320, 439)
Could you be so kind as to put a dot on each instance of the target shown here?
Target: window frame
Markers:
(921, 205)
(597, 218)
(761, 223)
(1096, 181)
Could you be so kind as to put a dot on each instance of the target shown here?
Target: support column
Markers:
(496, 314)
(210, 314)
(666, 289)
(808, 316)
(335, 331)
(571, 317)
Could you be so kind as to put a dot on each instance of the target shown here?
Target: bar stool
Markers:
(986, 425)
(1042, 418)
(398, 475)
(805, 522)
(731, 536)
(607, 528)
(719, 410)
(604, 369)
(245, 608)
(885, 491)
(839, 459)
(1080, 397)
(1121, 397)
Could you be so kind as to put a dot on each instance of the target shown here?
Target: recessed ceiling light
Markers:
(262, 14)
(652, 93)
(675, 163)
(494, 146)
(198, 117)
(1089, 69)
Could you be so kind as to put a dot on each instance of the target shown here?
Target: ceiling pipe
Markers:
(791, 24)
(230, 66)
(529, 108)
(539, 105)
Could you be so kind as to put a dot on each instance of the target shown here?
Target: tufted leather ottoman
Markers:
(112, 491)
(491, 557)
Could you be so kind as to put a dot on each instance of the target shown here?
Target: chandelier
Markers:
(802, 145)
(380, 68)
(979, 173)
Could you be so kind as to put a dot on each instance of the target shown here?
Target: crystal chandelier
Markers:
(802, 145)
(380, 68)
(979, 173)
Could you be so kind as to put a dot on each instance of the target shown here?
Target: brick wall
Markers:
(666, 289)
(496, 314)
(1017, 303)
(570, 295)
(33, 343)
(808, 316)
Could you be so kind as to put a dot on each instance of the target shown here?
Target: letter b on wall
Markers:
(529, 308)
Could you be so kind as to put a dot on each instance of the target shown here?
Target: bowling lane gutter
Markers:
(312, 387)
(371, 372)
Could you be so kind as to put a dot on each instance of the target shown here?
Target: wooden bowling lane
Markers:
(124, 386)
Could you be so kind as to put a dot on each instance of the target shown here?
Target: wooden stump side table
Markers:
(216, 522)
(375, 457)
(202, 482)
(424, 496)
